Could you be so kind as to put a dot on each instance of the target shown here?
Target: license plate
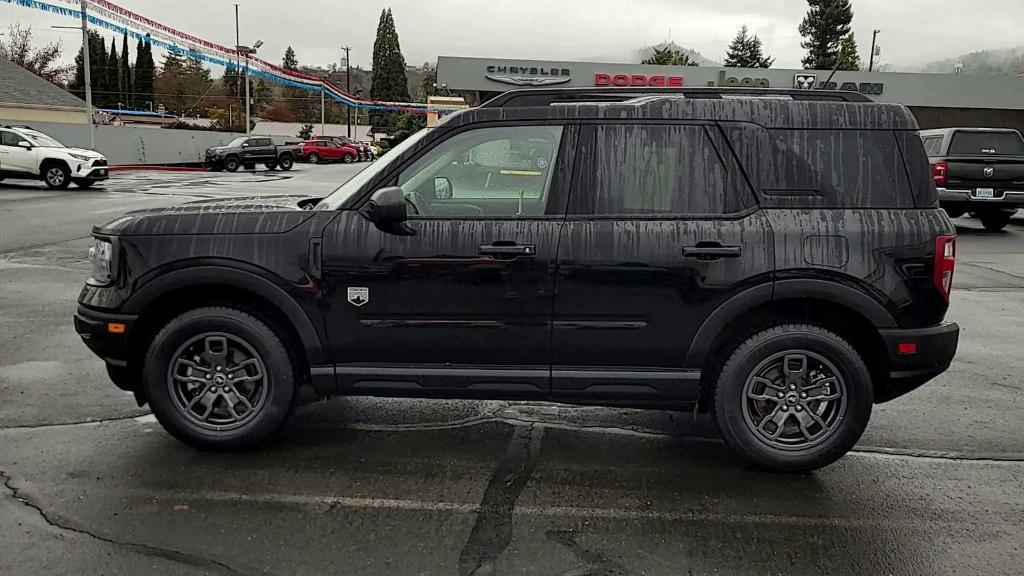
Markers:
(984, 193)
(101, 172)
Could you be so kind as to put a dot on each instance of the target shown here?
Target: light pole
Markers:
(248, 52)
(871, 60)
(86, 71)
(348, 88)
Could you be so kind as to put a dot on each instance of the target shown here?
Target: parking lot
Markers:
(92, 484)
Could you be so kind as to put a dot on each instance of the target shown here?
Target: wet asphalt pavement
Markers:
(91, 484)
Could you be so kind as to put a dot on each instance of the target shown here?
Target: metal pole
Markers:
(248, 128)
(238, 62)
(871, 60)
(348, 88)
(88, 76)
(323, 111)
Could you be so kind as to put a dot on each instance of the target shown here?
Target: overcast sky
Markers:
(913, 31)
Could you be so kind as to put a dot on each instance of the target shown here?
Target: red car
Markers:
(315, 151)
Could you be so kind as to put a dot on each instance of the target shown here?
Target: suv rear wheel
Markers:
(995, 221)
(219, 378)
(793, 397)
(56, 175)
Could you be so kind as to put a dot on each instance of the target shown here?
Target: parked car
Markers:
(979, 171)
(365, 152)
(316, 151)
(251, 150)
(29, 154)
(781, 263)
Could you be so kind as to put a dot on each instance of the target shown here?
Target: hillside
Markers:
(1006, 61)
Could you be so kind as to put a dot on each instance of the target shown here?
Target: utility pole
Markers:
(871, 60)
(238, 62)
(348, 88)
(323, 109)
(88, 76)
(248, 127)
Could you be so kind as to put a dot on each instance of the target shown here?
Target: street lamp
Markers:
(248, 51)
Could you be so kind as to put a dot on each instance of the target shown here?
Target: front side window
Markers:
(487, 172)
(631, 170)
(9, 139)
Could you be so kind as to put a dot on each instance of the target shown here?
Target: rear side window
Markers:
(635, 170)
(933, 145)
(919, 169)
(984, 143)
(823, 168)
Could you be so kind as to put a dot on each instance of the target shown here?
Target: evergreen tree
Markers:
(299, 100)
(113, 76)
(388, 82)
(668, 56)
(746, 51)
(824, 28)
(97, 64)
(262, 96)
(848, 54)
(126, 74)
(144, 75)
(290, 62)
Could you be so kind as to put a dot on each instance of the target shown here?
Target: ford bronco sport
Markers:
(780, 262)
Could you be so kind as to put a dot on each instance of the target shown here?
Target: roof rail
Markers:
(526, 97)
(26, 127)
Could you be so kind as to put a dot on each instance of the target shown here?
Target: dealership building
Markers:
(937, 100)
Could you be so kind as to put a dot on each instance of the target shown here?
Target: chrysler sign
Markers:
(528, 75)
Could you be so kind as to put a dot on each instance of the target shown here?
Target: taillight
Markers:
(939, 172)
(945, 260)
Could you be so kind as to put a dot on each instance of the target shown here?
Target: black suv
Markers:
(779, 260)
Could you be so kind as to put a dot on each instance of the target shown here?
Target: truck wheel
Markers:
(270, 165)
(231, 164)
(219, 378)
(286, 162)
(995, 221)
(56, 175)
(794, 397)
(314, 158)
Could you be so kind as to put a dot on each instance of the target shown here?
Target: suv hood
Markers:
(241, 215)
(82, 151)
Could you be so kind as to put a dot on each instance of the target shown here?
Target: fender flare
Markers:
(239, 279)
(736, 307)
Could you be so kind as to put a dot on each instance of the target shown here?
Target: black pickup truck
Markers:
(978, 171)
(249, 151)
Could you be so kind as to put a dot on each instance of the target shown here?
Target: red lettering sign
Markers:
(655, 80)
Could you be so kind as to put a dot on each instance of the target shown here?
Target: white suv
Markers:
(27, 153)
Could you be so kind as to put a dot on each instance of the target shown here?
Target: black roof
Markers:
(780, 113)
(19, 86)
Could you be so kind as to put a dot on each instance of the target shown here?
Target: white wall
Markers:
(124, 145)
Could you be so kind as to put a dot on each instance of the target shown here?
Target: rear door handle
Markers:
(507, 251)
(710, 252)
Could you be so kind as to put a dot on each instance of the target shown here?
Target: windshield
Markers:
(339, 196)
(237, 142)
(43, 141)
(978, 143)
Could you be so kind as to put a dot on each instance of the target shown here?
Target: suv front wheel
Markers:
(793, 397)
(219, 378)
(56, 175)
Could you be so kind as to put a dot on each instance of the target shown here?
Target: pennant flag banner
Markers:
(109, 16)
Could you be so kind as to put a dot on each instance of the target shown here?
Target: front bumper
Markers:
(965, 199)
(95, 171)
(932, 352)
(105, 334)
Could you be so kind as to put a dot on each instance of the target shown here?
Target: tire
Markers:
(231, 164)
(180, 371)
(347, 158)
(270, 165)
(313, 158)
(995, 221)
(56, 175)
(84, 183)
(802, 442)
(285, 162)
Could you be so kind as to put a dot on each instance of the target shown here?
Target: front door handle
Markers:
(502, 251)
(710, 251)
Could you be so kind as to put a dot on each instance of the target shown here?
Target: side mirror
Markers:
(443, 188)
(25, 144)
(388, 209)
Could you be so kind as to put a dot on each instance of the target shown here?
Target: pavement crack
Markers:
(592, 563)
(143, 549)
(492, 530)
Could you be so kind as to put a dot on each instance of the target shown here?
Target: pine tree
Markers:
(298, 99)
(824, 28)
(144, 74)
(746, 51)
(667, 56)
(126, 74)
(290, 62)
(389, 82)
(97, 64)
(113, 75)
(849, 55)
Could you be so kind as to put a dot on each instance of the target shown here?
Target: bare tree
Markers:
(16, 46)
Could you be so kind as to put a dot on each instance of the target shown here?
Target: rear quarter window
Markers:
(915, 156)
(795, 168)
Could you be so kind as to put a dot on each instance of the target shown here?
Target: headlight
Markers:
(81, 157)
(100, 255)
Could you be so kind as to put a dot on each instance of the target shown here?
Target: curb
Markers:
(130, 167)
